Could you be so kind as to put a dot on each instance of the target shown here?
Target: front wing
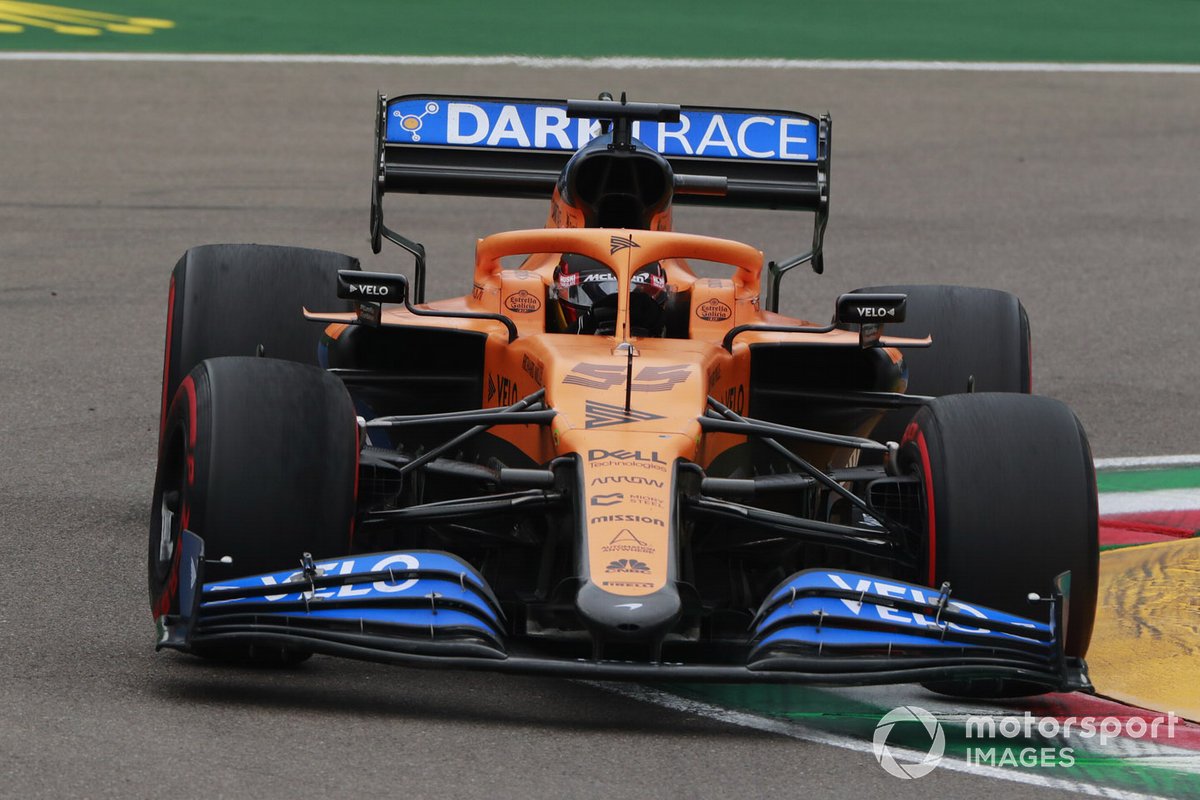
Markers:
(432, 609)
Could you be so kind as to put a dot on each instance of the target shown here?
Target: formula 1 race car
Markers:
(602, 461)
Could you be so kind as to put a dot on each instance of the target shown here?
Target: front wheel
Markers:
(1010, 496)
(259, 459)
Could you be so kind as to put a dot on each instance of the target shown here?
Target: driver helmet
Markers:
(586, 290)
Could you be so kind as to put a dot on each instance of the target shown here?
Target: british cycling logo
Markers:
(885, 754)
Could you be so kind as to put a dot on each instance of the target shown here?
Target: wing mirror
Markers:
(369, 289)
(869, 312)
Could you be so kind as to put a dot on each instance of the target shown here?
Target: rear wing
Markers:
(517, 147)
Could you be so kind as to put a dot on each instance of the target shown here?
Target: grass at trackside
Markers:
(1147, 480)
(971, 30)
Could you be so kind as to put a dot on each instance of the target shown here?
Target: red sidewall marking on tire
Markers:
(189, 387)
(354, 505)
(914, 434)
(171, 589)
(162, 417)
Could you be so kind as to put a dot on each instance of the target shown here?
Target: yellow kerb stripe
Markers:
(73, 21)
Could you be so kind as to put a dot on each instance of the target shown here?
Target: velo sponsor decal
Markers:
(912, 618)
(714, 311)
(887, 758)
(628, 565)
(627, 542)
(608, 499)
(609, 376)
(503, 389)
(621, 243)
(544, 125)
(389, 565)
(735, 398)
(603, 415)
(522, 302)
(369, 289)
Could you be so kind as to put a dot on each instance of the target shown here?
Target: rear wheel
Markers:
(1010, 495)
(259, 458)
(981, 343)
(240, 299)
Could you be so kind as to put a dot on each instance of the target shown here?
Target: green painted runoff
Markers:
(853, 716)
(1149, 480)
(1160, 31)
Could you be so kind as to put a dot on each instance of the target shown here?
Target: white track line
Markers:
(613, 62)
(798, 731)
(1143, 502)
(1148, 462)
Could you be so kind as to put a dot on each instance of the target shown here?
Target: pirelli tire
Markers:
(245, 299)
(259, 458)
(981, 343)
(1009, 490)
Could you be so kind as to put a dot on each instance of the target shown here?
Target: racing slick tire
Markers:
(259, 459)
(233, 299)
(1010, 494)
(981, 342)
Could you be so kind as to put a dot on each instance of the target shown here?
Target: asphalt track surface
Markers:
(1078, 192)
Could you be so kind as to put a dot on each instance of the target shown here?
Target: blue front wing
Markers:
(432, 609)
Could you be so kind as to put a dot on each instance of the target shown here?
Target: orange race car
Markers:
(613, 457)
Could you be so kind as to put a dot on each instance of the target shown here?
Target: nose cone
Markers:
(637, 618)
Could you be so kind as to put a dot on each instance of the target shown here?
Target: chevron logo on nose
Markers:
(601, 415)
(621, 243)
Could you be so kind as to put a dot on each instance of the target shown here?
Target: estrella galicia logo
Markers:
(522, 302)
(714, 311)
(885, 752)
